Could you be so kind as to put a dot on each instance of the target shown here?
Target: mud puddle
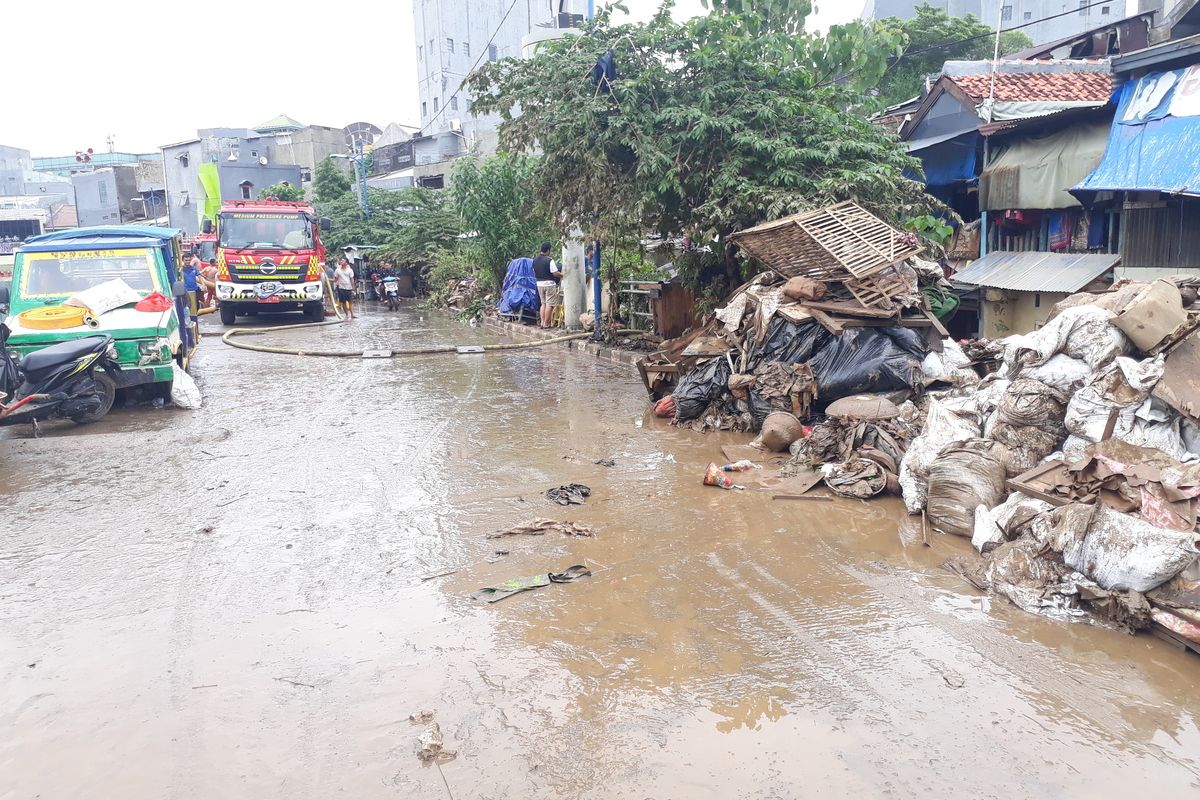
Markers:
(240, 602)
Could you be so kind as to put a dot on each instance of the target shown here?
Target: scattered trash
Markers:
(745, 465)
(665, 408)
(859, 478)
(779, 430)
(421, 717)
(571, 494)
(714, 476)
(494, 594)
(539, 526)
(431, 747)
(606, 462)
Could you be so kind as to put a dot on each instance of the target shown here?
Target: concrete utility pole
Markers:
(573, 281)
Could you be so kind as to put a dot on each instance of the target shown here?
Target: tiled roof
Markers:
(1033, 87)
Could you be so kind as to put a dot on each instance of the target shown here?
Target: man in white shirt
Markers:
(343, 286)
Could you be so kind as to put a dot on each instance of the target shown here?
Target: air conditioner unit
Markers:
(456, 125)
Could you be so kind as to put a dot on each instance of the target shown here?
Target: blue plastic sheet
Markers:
(519, 297)
(1154, 140)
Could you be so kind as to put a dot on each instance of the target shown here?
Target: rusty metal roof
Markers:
(1037, 272)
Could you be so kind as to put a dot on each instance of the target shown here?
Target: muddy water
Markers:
(237, 603)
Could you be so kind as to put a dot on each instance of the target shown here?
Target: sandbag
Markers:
(184, 391)
(941, 428)
(1028, 421)
(801, 288)
(700, 387)
(1124, 552)
(1008, 521)
(965, 475)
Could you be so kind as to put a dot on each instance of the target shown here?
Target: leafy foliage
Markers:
(329, 182)
(408, 225)
(930, 229)
(933, 38)
(711, 126)
(282, 191)
(496, 202)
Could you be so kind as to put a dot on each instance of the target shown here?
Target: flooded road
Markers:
(238, 602)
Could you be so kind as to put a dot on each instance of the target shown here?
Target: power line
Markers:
(483, 52)
(990, 34)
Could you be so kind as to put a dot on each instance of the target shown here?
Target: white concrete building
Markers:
(1069, 16)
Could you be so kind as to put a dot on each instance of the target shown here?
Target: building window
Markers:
(449, 45)
(247, 190)
(436, 104)
(424, 109)
(1105, 10)
(467, 49)
(1006, 14)
(454, 103)
(254, 154)
(305, 175)
(1083, 7)
(493, 53)
(1028, 15)
(420, 52)
(103, 193)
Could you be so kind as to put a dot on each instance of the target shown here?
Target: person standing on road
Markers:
(191, 281)
(548, 275)
(343, 284)
(208, 285)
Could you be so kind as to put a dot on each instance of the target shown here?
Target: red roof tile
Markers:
(1049, 87)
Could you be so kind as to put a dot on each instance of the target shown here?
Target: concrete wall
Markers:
(185, 199)
(96, 198)
(1022, 12)
(14, 164)
(233, 174)
(1004, 313)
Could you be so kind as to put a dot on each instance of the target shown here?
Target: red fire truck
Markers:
(269, 259)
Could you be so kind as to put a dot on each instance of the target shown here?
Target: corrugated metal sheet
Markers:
(1161, 235)
(1037, 272)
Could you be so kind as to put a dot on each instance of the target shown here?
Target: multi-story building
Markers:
(453, 37)
(245, 161)
(19, 177)
(1041, 20)
(66, 166)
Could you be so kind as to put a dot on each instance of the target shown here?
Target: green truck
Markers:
(150, 337)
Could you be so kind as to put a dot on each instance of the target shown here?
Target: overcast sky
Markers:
(150, 72)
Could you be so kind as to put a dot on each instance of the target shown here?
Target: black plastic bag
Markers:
(699, 388)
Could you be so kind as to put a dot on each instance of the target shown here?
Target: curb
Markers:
(527, 333)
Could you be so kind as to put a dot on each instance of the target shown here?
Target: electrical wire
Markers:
(483, 52)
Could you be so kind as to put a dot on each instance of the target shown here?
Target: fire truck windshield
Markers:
(249, 231)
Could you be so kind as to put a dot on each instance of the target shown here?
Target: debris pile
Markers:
(1075, 468)
(845, 310)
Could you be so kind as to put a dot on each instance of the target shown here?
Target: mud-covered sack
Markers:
(700, 387)
(942, 427)
(1062, 372)
(1083, 332)
(1028, 421)
(1006, 522)
(1122, 387)
(965, 475)
(802, 288)
(949, 366)
(1118, 551)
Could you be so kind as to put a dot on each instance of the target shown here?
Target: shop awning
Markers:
(1155, 138)
(1034, 172)
(1037, 272)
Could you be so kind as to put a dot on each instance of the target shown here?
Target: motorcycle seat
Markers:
(41, 361)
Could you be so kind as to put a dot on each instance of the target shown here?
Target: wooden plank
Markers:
(827, 322)
(848, 309)
(937, 323)
(1180, 384)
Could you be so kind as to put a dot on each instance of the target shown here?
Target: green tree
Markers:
(496, 201)
(711, 126)
(408, 226)
(931, 39)
(282, 191)
(329, 182)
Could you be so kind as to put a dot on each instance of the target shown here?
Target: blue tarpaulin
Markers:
(1155, 137)
(519, 296)
(948, 162)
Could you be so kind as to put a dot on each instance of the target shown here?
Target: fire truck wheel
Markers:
(228, 314)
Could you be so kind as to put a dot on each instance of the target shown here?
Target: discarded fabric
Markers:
(539, 526)
(571, 494)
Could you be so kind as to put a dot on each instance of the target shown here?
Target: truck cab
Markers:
(269, 259)
(49, 269)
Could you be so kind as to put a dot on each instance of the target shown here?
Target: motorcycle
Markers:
(391, 292)
(73, 380)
